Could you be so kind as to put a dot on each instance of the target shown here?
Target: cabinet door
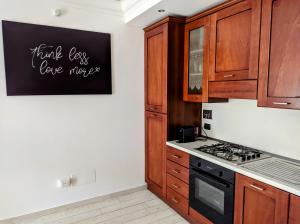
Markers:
(155, 152)
(196, 61)
(279, 78)
(294, 214)
(256, 202)
(156, 69)
(234, 42)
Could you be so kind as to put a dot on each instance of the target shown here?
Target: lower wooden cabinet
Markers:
(155, 152)
(294, 212)
(257, 202)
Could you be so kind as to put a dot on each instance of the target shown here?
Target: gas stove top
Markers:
(234, 153)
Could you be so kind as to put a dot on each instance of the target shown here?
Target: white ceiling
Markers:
(144, 12)
(144, 16)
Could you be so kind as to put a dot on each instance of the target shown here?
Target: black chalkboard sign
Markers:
(44, 60)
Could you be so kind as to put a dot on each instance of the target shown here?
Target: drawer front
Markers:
(178, 186)
(177, 201)
(178, 171)
(178, 156)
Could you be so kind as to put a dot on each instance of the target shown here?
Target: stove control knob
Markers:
(220, 174)
(243, 158)
(199, 164)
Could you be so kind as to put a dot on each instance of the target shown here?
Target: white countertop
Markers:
(190, 149)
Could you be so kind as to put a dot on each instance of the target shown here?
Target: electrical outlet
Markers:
(83, 178)
(207, 114)
(207, 126)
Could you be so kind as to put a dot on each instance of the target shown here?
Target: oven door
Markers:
(211, 197)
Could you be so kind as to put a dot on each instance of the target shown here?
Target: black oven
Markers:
(212, 190)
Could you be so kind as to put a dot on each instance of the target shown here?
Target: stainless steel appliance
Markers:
(234, 153)
(211, 190)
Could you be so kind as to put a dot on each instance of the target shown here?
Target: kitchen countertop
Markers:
(190, 149)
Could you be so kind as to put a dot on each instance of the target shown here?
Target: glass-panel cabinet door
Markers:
(196, 44)
(196, 60)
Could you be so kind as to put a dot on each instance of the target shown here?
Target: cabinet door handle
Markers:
(256, 187)
(175, 200)
(176, 156)
(176, 171)
(228, 76)
(175, 186)
(281, 103)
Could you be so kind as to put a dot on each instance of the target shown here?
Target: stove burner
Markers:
(232, 152)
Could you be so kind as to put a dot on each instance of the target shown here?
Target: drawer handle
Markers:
(176, 156)
(228, 76)
(256, 187)
(176, 171)
(154, 115)
(175, 200)
(281, 103)
(175, 186)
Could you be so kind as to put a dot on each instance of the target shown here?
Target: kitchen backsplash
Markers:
(241, 121)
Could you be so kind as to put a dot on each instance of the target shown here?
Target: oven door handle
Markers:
(210, 179)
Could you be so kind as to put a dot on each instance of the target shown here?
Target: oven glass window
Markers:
(209, 195)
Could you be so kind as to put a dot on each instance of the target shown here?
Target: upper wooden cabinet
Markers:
(257, 202)
(196, 60)
(234, 42)
(279, 75)
(156, 51)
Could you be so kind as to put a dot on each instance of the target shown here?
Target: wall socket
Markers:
(207, 114)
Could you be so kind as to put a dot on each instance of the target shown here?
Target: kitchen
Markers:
(233, 51)
(198, 107)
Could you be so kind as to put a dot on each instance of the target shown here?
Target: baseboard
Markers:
(72, 205)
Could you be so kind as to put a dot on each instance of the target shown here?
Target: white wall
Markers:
(43, 138)
(241, 121)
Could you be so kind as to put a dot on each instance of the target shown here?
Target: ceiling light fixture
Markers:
(161, 10)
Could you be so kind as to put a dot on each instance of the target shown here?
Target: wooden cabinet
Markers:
(155, 147)
(177, 180)
(196, 60)
(294, 212)
(257, 202)
(279, 75)
(234, 50)
(155, 69)
(165, 110)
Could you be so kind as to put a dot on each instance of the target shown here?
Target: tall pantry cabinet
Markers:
(165, 111)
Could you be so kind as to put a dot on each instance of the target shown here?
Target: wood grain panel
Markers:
(178, 171)
(177, 201)
(155, 148)
(233, 89)
(279, 79)
(256, 202)
(155, 70)
(178, 156)
(178, 185)
(294, 213)
(232, 50)
(234, 42)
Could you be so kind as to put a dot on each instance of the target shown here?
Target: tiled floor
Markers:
(140, 207)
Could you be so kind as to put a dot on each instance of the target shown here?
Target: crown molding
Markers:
(133, 8)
